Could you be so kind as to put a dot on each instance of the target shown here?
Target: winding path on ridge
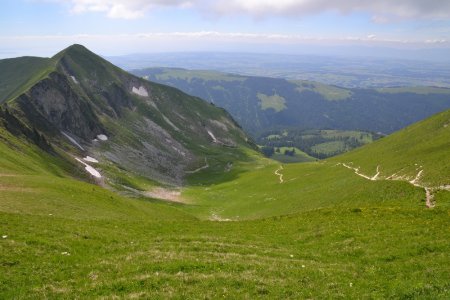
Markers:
(277, 172)
(415, 182)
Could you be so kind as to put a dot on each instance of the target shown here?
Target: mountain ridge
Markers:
(155, 131)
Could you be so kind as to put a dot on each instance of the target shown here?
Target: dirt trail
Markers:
(199, 169)
(429, 196)
(277, 172)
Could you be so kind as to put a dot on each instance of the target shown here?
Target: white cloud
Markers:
(436, 41)
(381, 9)
(121, 9)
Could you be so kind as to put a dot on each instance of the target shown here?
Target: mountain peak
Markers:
(76, 47)
(74, 51)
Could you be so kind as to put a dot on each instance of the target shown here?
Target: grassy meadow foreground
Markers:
(312, 230)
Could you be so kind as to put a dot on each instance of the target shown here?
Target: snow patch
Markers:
(141, 91)
(170, 123)
(90, 159)
(90, 169)
(74, 79)
(212, 136)
(102, 137)
(72, 140)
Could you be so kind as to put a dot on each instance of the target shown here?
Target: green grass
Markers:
(424, 145)
(327, 253)
(329, 92)
(315, 143)
(344, 236)
(274, 102)
(298, 157)
(20, 74)
(307, 186)
(329, 148)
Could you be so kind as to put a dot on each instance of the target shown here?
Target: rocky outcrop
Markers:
(52, 105)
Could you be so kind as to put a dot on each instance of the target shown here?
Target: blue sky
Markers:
(114, 27)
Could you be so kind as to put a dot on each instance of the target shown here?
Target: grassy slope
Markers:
(425, 144)
(346, 237)
(306, 187)
(129, 247)
(373, 253)
(259, 193)
(19, 74)
(44, 185)
(298, 157)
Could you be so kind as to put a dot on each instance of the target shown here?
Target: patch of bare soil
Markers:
(165, 194)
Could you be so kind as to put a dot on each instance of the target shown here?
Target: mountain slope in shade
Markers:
(86, 105)
(261, 104)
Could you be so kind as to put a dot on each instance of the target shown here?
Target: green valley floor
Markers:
(262, 230)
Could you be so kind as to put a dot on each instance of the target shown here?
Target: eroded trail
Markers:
(199, 169)
(429, 196)
(277, 172)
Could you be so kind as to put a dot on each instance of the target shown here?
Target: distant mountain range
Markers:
(261, 104)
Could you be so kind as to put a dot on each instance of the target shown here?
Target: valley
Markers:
(112, 186)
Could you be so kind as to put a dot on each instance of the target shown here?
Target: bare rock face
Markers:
(54, 102)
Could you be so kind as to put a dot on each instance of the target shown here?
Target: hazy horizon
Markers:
(115, 27)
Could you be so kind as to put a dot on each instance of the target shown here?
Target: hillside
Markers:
(410, 168)
(261, 104)
(419, 152)
(83, 104)
(239, 226)
(345, 235)
(19, 74)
